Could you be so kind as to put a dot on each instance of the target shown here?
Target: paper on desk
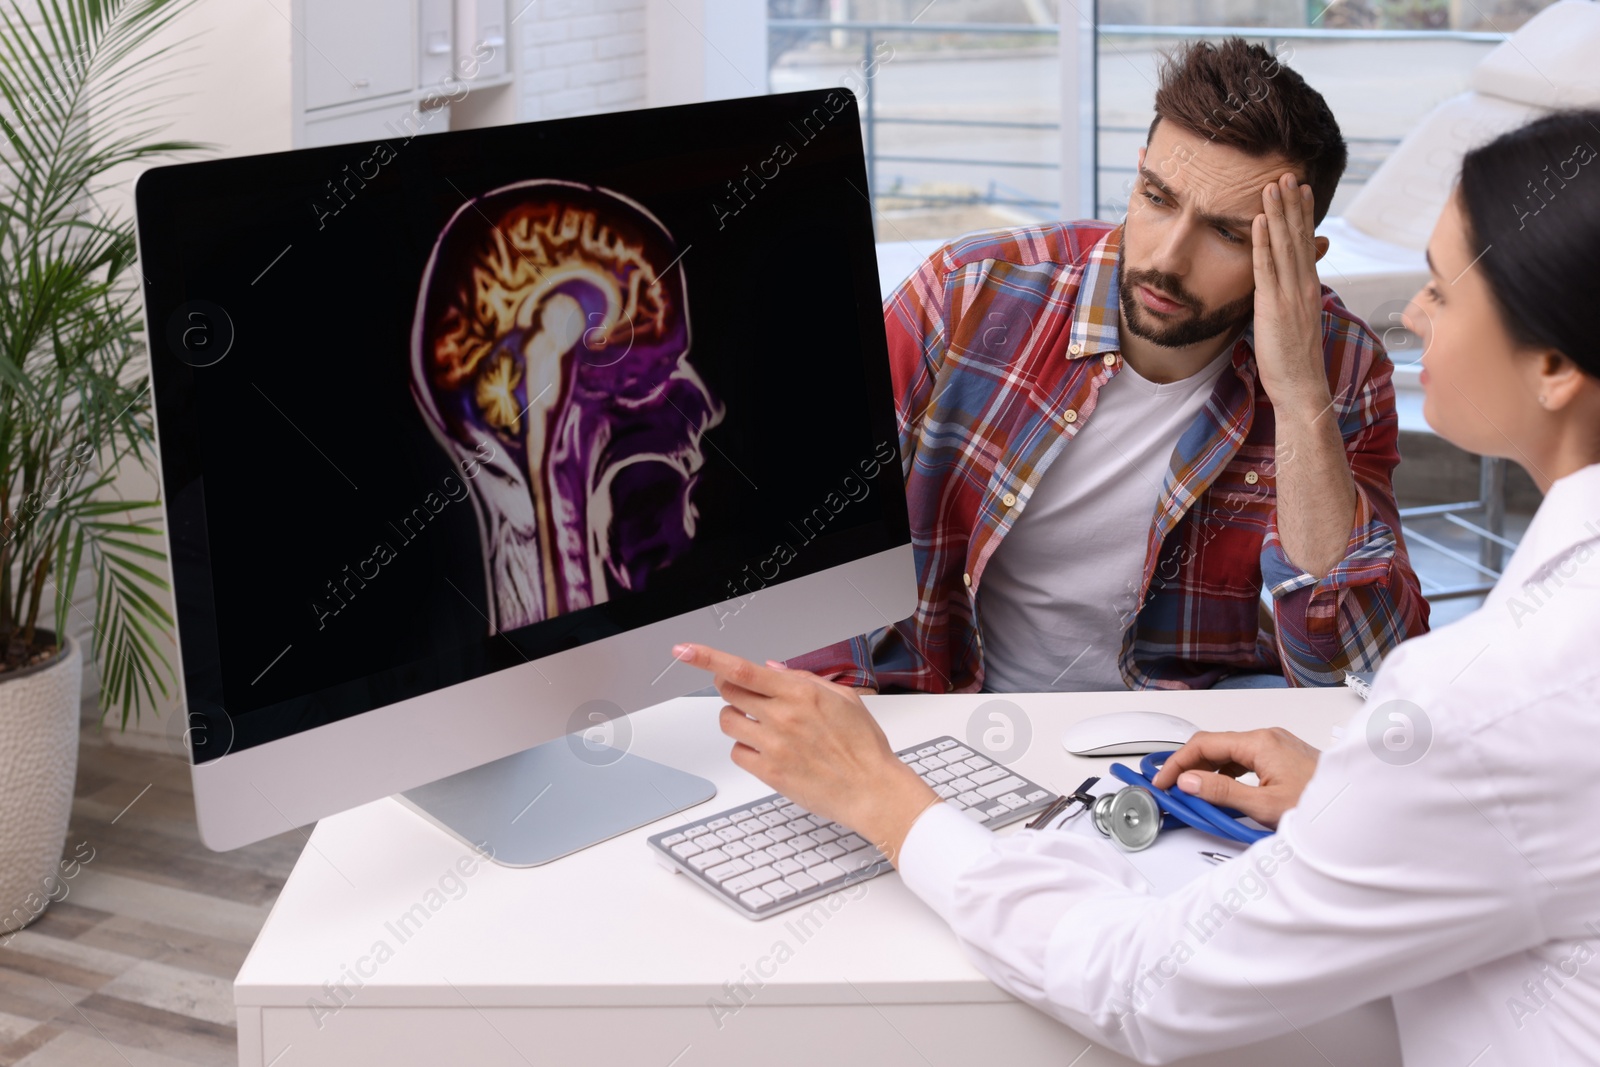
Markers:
(1173, 861)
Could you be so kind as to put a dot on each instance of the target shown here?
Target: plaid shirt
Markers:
(999, 344)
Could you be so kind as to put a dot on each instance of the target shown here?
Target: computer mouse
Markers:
(1127, 733)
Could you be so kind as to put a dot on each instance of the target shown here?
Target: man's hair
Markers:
(1242, 96)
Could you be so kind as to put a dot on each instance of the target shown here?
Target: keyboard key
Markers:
(927, 750)
(717, 824)
(754, 899)
(807, 859)
(737, 884)
(933, 762)
(945, 791)
(780, 833)
(976, 814)
(1004, 785)
(684, 849)
(793, 811)
(963, 784)
(825, 873)
(923, 767)
(773, 818)
(971, 797)
(758, 841)
(908, 757)
(1037, 794)
(779, 890)
(946, 745)
(762, 875)
(987, 775)
(779, 851)
(787, 866)
(730, 833)
(693, 832)
(727, 870)
(672, 839)
(740, 815)
(839, 828)
(737, 849)
(804, 824)
(759, 857)
(801, 881)
(959, 752)
(708, 859)
(1012, 801)
(831, 850)
(822, 837)
(940, 776)
(998, 810)
(764, 806)
(751, 826)
(851, 842)
(859, 859)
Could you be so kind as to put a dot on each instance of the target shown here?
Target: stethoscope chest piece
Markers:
(1130, 817)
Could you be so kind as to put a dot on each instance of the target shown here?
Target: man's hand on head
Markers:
(1288, 298)
(815, 742)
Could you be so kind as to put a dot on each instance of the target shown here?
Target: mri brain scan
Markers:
(549, 354)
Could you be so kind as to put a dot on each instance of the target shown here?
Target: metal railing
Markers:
(873, 32)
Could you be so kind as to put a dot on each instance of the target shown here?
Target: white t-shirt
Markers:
(1063, 584)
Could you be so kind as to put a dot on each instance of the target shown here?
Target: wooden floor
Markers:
(135, 966)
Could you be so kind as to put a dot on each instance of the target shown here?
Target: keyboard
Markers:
(770, 855)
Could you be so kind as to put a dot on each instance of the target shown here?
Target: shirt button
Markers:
(966, 580)
(1071, 415)
(1251, 477)
(1075, 348)
(1009, 500)
(1110, 359)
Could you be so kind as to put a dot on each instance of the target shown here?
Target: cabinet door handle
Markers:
(360, 83)
(438, 43)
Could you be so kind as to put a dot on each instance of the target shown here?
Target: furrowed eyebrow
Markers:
(1428, 255)
(1225, 221)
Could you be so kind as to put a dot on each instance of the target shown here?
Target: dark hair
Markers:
(1241, 95)
(1532, 203)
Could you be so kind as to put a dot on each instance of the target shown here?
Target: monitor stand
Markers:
(553, 799)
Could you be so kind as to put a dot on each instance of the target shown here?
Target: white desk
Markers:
(604, 957)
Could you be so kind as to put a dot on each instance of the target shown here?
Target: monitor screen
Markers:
(436, 406)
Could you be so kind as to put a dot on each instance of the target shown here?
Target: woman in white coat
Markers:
(1445, 852)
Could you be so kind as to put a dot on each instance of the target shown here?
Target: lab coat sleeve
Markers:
(1384, 878)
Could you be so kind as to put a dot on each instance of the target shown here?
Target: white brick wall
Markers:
(576, 57)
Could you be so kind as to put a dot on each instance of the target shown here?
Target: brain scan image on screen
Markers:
(550, 356)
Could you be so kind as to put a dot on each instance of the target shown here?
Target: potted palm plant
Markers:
(75, 77)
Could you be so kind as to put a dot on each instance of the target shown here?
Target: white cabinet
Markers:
(357, 50)
(371, 69)
(482, 36)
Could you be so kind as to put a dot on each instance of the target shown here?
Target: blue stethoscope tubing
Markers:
(1192, 811)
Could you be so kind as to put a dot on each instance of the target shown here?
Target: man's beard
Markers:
(1190, 331)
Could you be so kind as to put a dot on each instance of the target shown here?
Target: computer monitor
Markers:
(460, 433)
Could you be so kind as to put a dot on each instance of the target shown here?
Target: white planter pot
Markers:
(38, 767)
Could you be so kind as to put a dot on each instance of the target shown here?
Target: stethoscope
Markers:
(1134, 815)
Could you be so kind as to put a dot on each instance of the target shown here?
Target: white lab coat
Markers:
(1459, 876)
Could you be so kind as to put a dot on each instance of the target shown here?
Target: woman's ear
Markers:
(1557, 379)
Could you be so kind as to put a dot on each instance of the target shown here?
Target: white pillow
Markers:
(1550, 62)
(1403, 198)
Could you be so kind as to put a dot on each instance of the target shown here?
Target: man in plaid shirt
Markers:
(1266, 406)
